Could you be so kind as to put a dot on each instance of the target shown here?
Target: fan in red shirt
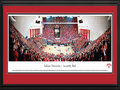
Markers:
(15, 54)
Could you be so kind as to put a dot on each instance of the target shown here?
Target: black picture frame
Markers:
(54, 3)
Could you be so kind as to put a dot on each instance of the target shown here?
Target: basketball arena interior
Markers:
(59, 37)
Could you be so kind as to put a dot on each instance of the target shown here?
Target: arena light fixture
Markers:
(80, 21)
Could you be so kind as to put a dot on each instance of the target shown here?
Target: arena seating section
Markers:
(67, 32)
(97, 50)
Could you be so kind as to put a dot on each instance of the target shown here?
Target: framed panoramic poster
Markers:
(56, 43)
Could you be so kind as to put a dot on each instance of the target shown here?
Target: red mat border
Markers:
(59, 78)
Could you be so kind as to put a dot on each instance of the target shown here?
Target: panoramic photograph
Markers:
(59, 37)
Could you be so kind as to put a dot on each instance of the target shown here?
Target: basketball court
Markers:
(55, 49)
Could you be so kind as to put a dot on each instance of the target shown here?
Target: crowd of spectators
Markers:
(22, 49)
(98, 50)
(79, 43)
(67, 32)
